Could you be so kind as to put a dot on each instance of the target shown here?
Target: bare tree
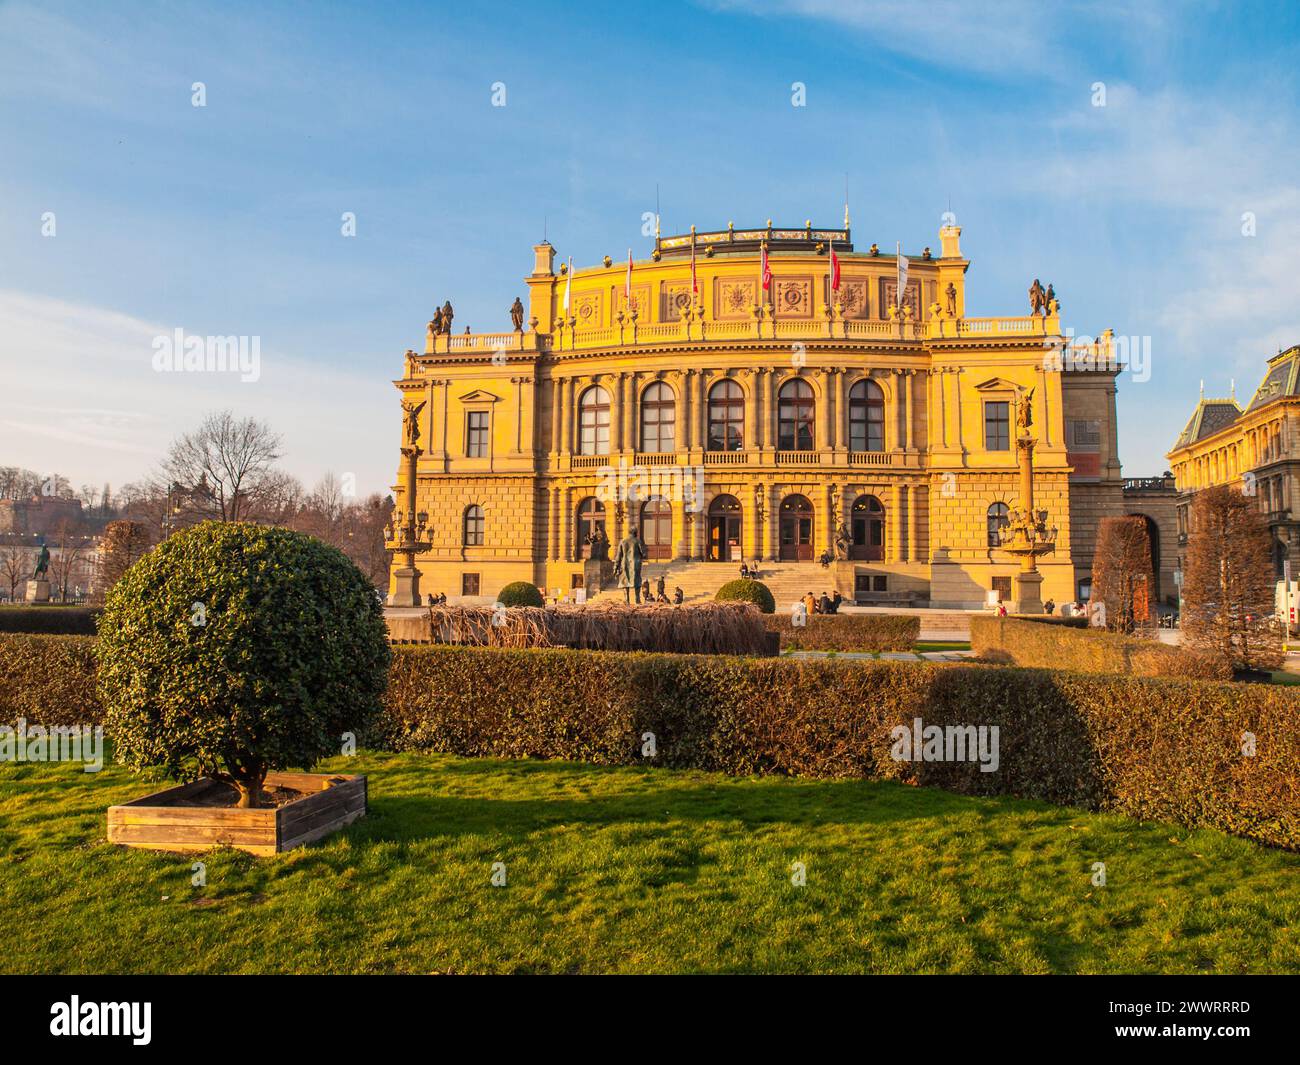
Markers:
(223, 464)
(69, 559)
(15, 567)
(124, 543)
(1121, 573)
(1228, 586)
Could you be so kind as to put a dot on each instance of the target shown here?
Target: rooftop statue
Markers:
(1025, 410)
(1036, 297)
(446, 317)
(517, 315)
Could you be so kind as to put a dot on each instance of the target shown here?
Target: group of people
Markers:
(660, 594)
(823, 604)
(437, 600)
(748, 572)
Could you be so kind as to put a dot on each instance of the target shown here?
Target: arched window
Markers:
(593, 422)
(726, 417)
(866, 417)
(591, 522)
(658, 415)
(795, 413)
(868, 529)
(998, 515)
(725, 524)
(473, 532)
(657, 529)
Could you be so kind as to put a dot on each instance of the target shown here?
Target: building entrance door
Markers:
(796, 529)
(725, 530)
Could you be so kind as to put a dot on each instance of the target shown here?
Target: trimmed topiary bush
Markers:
(747, 591)
(234, 649)
(520, 593)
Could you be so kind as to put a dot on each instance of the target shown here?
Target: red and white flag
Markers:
(695, 285)
(766, 271)
(835, 269)
(627, 285)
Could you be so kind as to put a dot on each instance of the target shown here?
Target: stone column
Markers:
(617, 400)
(683, 429)
(919, 502)
(773, 531)
(553, 520)
(751, 410)
(770, 413)
(825, 431)
(902, 439)
(910, 440)
(566, 416)
(840, 417)
(567, 524)
(702, 414)
(894, 547)
(557, 419)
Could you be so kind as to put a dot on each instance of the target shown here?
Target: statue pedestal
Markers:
(597, 575)
(406, 587)
(38, 591)
(1029, 592)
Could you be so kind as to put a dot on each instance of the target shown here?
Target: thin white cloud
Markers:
(81, 398)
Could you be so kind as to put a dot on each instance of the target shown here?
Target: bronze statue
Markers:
(1036, 295)
(411, 421)
(1025, 410)
(42, 563)
(1049, 298)
(599, 545)
(436, 324)
(842, 541)
(627, 564)
(446, 317)
(517, 315)
(951, 293)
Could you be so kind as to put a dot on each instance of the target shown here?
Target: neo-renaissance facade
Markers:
(730, 414)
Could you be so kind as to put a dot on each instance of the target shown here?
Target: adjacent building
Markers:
(1255, 448)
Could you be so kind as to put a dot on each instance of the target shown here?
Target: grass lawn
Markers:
(640, 870)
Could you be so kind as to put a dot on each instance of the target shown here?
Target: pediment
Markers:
(997, 384)
(478, 395)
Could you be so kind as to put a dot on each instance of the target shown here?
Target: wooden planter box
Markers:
(330, 801)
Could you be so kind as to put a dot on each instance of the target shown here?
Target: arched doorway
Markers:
(657, 529)
(724, 529)
(868, 528)
(796, 529)
(591, 520)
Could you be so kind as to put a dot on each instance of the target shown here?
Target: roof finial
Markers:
(846, 201)
(1232, 381)
(1202, 388)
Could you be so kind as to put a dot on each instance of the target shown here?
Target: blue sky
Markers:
(225, 219)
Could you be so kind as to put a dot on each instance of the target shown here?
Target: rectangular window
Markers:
(469, 584)
(880, 583)
(476, 434)
(997, 425)
(1002, 585)
(1085, 435)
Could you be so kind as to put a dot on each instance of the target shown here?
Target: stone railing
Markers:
(568, 336)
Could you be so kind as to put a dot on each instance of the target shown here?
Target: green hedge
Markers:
(1028, 642)
(1148, 748)
(847, 632)
(48, 680)
(54, 620)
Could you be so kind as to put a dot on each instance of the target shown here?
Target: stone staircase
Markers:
(788, 581)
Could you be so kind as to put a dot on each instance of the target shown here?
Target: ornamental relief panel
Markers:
(792, 297)
(640, 300)
(852, 296)
(889, 286)
(733, 297)
(586, 309)
(674, 298)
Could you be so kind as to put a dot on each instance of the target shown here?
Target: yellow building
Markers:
(730, 419)
(1256, 450)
